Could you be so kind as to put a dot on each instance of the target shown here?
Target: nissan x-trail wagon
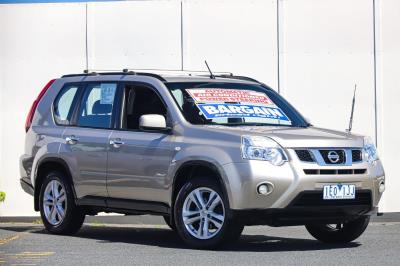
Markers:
(211, 154)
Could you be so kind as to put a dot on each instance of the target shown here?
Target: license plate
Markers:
(339, 191)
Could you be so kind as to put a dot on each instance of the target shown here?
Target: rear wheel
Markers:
(339, 233)
(202, 215)
(59, 213)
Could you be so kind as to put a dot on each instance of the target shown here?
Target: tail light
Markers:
(32, 111)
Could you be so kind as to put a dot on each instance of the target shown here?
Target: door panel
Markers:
(87, 148)
(138, 166)
(87, 144)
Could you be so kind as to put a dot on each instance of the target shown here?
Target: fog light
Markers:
(381, 186)
(265, 188)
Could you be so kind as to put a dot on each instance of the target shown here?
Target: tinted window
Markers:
(141, 101)
(97, 105)
(62, 106)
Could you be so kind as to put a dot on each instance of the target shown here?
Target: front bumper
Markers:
(303, 215)
(290, 180)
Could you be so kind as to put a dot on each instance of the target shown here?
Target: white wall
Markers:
(39, 42)
(327, 47)
(235, 36)
(388, 40)
(144, 34)
(324, 47)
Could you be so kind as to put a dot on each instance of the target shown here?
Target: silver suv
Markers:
(210, 154)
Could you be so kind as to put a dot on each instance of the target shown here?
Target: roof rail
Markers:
(142, 72)
(239, 77)
(155, 71)
(180, 71)
(87, 73)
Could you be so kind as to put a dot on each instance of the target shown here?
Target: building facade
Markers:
(313, 52)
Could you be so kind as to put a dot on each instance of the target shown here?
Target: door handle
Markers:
(71, 140)
(116, 143)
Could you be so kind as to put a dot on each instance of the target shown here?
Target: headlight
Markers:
(369, 150)
(262, 148)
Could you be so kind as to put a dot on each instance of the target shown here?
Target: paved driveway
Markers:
(98, 244)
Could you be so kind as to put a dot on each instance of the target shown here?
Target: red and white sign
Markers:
(211, 95)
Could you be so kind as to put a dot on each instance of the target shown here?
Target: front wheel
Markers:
(339, 233)
(202, 215)
(170, 223)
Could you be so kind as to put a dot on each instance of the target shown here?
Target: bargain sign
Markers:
(214, 110)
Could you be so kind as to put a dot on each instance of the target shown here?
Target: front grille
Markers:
(315, 199)
(335, 171)
(304, 155)
(329, 156)
(356, 156)
(333, 156)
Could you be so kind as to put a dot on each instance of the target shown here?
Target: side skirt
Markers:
(136, 207)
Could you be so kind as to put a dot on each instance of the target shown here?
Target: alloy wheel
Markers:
(54, 202)
(203, 213)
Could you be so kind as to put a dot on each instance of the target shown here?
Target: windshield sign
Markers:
(232, 103)
(211, 111)
(229, 95)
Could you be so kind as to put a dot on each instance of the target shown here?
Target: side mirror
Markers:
(152, 122)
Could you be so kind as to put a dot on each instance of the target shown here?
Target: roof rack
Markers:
(147, 70)
(238, 77)
(87, 73)
(179, 71)
(143, 72)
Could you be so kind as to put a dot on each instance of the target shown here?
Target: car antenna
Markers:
(352, 109)
(211, 74)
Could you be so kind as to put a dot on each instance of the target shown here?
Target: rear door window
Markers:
(64, 104)
(96, 106)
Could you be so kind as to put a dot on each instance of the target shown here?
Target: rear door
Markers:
(87, 140)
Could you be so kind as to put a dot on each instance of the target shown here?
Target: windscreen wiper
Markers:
(253, 124)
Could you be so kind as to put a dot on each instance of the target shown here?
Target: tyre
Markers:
(59, 213)
(202, 215)
(168, 222)
(339, 233)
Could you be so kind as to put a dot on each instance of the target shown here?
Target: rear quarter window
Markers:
(64, 104)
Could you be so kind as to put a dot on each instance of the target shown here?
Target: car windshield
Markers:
(233, 104)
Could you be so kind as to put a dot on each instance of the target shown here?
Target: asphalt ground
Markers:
(140, 244)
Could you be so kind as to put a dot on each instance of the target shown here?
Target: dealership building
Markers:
(312, 52)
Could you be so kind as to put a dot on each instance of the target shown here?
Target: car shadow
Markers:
(166, 238)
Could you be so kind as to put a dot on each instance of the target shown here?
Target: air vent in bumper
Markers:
(335, 171)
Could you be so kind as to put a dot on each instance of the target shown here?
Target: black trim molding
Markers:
(124, 206)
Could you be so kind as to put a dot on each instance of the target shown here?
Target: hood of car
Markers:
(291, 137)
